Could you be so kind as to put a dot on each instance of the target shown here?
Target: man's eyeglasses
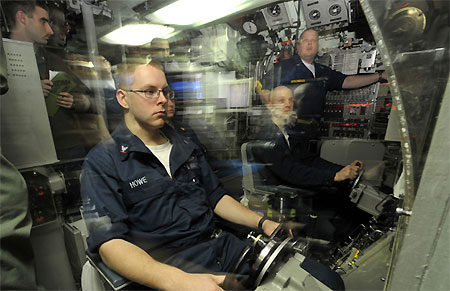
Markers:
(155, 93)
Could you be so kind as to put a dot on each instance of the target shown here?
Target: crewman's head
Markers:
(29, 21)
(281, 102)
(170, 108)
(145, 96)
(159, 47)
(308, 45)
(59, 27)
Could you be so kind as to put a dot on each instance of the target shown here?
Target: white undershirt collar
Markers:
(310, 67)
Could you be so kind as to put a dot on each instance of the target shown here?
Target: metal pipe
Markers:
(91, 41)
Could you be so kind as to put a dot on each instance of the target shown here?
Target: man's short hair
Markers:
(27, 6)
(308, 29)
(127, 72)
(158, 43)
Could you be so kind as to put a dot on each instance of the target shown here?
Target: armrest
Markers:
(115, 280)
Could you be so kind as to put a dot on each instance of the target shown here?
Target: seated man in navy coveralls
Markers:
(301, 68)
(290, 159)
(289, 162)
(160, 195)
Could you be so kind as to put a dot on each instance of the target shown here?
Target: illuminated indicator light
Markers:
(357, 105)
(406, 4)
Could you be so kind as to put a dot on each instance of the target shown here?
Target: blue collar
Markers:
(126, 142)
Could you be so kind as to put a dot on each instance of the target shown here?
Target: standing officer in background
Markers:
(301, 68)
(160, 52)
(29, 21)
(160, 196)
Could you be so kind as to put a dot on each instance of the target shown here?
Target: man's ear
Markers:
(121, 96)
(21, 17)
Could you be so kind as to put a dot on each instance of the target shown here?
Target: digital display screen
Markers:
(187, 89)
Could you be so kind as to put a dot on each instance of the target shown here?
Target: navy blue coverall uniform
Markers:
(169, 217)
(294, 72)
(294, 164)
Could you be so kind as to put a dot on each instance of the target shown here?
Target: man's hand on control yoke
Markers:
(269, 227)
(349, 172)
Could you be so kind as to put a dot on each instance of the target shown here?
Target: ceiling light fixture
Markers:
(136, 34)
(197, 12)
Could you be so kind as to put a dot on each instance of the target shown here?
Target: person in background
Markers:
(302, 68)
(159, 48)
(29, 21)
(181, 128)
(66, 130)
(288, 161)
(160, 51)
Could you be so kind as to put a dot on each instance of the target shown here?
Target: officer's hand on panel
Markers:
(46, 86)
(207, 282)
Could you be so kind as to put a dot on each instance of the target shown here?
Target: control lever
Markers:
(360, 173)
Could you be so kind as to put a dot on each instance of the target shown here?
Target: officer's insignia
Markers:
(124, 149)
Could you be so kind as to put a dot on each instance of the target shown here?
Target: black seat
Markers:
(114, 281)
(258, 179)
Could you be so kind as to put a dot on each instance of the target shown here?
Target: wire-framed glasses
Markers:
(155, 93)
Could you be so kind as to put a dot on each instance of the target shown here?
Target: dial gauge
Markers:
(250, 27)
(274, 10)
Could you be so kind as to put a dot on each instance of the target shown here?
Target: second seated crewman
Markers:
(289, 159)
(302, 68)
(181, 128)
(160, 196)
(289, 162)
